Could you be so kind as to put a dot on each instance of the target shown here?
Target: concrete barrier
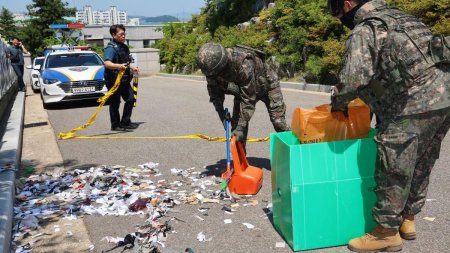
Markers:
(10, 153)
(147, 59)
(8, 80)
(11, 116)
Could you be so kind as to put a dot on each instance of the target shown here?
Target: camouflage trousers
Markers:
(408, 147)
(275, 107)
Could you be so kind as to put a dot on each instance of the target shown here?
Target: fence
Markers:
(8, 80)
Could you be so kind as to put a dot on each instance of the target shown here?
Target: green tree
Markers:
(228, 12)
(434, 13)
(308, 40)
(181, 43)
(44, 13)
(305, 39)
(7, 24)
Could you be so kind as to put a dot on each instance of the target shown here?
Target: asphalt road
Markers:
(169, 107)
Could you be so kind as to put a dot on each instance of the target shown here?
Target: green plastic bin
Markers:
(322, 193)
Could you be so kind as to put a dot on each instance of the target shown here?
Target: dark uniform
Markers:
(249, 80)
(17, 62)
(387, 65)
(119, 53)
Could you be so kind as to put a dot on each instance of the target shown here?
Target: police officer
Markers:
(15, 54)
(386, 64)
(117, 57)
(241, 72)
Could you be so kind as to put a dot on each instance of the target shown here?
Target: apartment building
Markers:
(109, 17)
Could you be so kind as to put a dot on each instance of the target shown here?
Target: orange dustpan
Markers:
(246, 179)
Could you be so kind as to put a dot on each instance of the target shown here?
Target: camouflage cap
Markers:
(212, 58)
(335, 6)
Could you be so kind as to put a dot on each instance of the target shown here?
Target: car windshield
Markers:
(72, 60)
(38, 61)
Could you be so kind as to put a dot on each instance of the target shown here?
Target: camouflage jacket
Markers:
(244, 78)
(386, 63)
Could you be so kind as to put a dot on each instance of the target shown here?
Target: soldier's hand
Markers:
(343, 109)
(338, 107)
(225, 120)
(239, 133)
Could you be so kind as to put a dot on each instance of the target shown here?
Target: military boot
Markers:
(380, 239)
(408, 228)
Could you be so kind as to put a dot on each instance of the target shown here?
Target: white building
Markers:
(143, 36)
(109, 17)
(20, 19)
(133, 21)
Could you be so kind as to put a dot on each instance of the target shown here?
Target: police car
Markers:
(72, 75)
(35, 73)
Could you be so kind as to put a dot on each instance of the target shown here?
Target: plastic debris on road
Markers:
(201, 237)
(248, 225)
(429, 218)
(118, 191)
(280, 245)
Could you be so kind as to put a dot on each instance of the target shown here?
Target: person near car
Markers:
(15, 54)
(388, 65)
(117, 57)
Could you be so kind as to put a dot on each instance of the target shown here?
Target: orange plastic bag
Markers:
(321, 125)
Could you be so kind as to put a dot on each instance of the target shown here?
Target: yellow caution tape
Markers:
(102, 100)
(135, 88)
(192, 136)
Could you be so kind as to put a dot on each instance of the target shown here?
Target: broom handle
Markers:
(227, 135)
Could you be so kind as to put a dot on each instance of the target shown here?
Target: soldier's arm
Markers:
(360, 61)
(247, 88)
(216, 97)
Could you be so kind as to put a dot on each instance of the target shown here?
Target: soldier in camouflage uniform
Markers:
(387, 64)
(241, 72)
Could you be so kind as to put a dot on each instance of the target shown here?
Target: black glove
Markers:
(224, 117)
(336, 107)
(239, 133)
(343, 109)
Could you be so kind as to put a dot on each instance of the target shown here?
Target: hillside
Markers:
(300, 35)
(159, 19)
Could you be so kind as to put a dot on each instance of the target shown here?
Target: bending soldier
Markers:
(387, 65)
(241, 72)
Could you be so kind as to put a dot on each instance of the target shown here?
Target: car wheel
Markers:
(46, 105)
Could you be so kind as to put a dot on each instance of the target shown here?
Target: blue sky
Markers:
(149, 8)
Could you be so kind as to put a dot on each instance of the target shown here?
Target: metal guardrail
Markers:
(11, 115)
(8, 78)
(7, 75)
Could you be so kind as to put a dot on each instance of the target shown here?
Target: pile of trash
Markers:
(118, 191)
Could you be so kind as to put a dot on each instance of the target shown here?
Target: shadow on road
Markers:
(38, 168)
(72, 104)
(220, 166)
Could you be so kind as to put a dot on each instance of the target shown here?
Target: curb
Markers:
(289, 85)
(10, 153)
